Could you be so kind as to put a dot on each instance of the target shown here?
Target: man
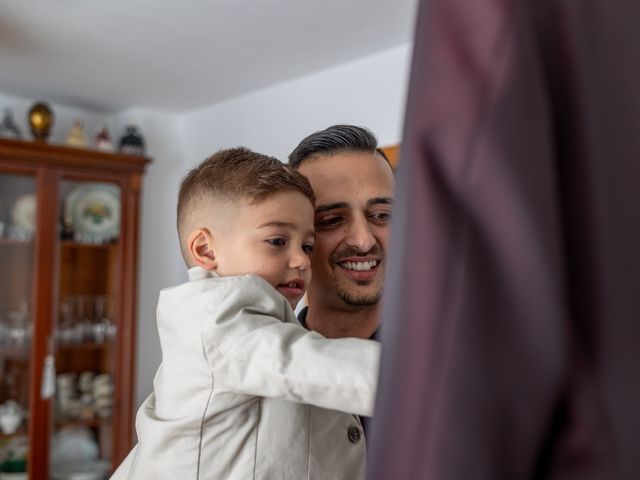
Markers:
(354, 186)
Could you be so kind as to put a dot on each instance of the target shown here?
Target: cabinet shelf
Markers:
(18, 433)
(70, 347)
(66, 244)
(15, 353)
(89, 423)
(70, 245)
(9, 242)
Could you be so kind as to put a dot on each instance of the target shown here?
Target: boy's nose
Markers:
(300, 261)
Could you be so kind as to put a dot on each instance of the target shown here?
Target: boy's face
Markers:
(272, 238)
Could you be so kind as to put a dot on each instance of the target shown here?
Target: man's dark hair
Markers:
(333, 140)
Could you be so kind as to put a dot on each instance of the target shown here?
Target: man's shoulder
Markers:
(302, 317)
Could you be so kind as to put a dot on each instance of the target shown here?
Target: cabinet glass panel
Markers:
(17, 232)
(86, 328)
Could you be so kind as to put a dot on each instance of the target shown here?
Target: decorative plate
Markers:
(94, 209)
(23, 213)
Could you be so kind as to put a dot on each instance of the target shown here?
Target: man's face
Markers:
(354, 193)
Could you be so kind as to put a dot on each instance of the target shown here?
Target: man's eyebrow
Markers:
(331, 206)
(372, 201)
(378, 200)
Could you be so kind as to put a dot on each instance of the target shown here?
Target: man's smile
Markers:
(359, 265)
(360, 269)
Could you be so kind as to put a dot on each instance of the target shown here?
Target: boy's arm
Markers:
(253, 351)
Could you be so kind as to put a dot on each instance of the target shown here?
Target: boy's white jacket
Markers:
(245, 392)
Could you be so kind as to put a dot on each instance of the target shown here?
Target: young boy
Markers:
(234, 394)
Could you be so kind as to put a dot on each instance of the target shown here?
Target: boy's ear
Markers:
(200, 245)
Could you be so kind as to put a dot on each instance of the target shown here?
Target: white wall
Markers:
(370, 92)
(160, 262)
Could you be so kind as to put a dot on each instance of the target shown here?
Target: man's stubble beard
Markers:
(355, 300)
(358, 299)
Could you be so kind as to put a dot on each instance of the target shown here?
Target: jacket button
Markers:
(354, 434)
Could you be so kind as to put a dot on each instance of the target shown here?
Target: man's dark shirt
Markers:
(302, 318)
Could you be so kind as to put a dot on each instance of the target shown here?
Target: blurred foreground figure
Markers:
(511, 322)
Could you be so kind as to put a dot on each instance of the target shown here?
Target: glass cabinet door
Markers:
(17, 232)
(86, 328)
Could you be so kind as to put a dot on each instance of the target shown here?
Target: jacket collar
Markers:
(199, 273)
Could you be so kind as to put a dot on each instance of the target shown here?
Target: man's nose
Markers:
(359, 234)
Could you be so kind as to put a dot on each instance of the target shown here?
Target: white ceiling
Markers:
(110, 55)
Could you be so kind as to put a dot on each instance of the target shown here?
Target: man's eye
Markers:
(307, 248)
(277, 242)
(329, 222)
(380, 217)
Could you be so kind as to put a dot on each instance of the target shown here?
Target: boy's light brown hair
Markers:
(235, 174)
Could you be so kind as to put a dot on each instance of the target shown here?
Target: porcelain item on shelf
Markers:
(23, 216)
(95, 212)
(92, 470)
(73, 445)
(13, 476)
(10, 417)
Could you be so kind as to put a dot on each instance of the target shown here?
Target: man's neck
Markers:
(339, 323)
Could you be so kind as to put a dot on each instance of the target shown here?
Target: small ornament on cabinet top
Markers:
(41, 120)
(103, 140)
(8, 127)
(132, 142)
(76, 136)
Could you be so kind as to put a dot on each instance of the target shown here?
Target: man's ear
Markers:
(200, 244)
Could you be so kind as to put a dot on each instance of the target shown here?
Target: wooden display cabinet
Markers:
(68, 267)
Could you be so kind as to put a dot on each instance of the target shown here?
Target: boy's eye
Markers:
(307, 248)
(277, 242)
